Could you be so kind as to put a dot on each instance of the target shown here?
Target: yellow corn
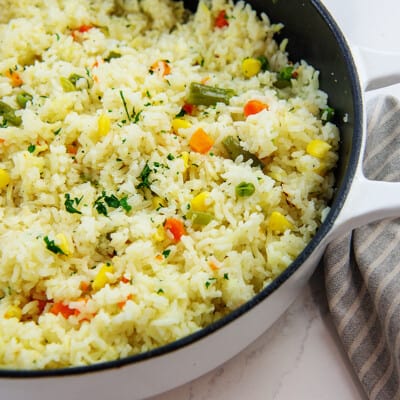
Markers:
(62, 243)
(198, 203)
(318, 148)
(159, 235)
(102, 278)
(178, 123)
(13, 312)
(185, 158)
(278, 222)
(251, 67)
(4, 178)
(103, 125)
(158, 202)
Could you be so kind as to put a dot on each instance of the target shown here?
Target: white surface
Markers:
(300, 356)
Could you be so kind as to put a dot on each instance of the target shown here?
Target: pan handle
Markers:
(377, 69)
(370, 200)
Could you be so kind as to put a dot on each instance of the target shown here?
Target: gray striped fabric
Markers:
(362, 270)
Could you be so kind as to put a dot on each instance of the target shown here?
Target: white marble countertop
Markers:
(300, 356)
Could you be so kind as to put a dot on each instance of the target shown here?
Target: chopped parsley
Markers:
(31, 148)
(166, 253)
(226, 276)
(69, 204)
(180, 113)
(144, 177)
(121, 93)
(210, 281)
(159, 291)
(50, 245)
(111, 201)
(56, 132)
(170, 157)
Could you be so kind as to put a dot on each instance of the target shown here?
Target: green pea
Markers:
(201, 218)
(245, 189)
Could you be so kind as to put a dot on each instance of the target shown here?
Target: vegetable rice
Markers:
(157, 169)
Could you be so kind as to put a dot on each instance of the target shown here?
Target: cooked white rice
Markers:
(58, 309)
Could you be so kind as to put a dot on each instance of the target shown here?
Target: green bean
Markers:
(8, 114)
(200, 94)
(234, 149)
(113, 54)
(23, 98)
(245, 189)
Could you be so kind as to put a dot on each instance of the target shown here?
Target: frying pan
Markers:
(314, 36)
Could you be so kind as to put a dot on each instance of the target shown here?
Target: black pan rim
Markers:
(322, 233)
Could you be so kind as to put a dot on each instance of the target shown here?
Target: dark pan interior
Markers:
(314, 37)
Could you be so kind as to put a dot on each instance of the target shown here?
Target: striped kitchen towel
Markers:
(362, 270)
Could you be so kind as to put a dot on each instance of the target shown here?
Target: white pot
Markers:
(169, 367)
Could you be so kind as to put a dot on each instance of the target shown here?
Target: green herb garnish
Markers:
(31, 148)
(69, 204)
(144, 177)
(50, 245)
(166, 253)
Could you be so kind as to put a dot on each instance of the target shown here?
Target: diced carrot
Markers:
(60, 308)
(72, 148)
(15, 78)
(84, 286)
(213, 265)
(121, 304)
(96, 78)
(81, 29)
(161, 67)
(175, 227)
(159, 257)
(221, 20)
(205, 80)
(125, 279)
(200, 141)
(85, 28)
(254, 107)
(2, 141)
(189, 108)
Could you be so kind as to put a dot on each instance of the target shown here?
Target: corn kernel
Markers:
(185, 158)
(4, 178)
(318, 148)
(159, 235)
(102, 278)
(179, 123)
(278, 222)
(103, 125)
(198, 203)
(158, 202)
(13, 312)
(251, 67)
(62, 243)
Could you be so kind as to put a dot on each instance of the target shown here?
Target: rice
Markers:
(93, 175)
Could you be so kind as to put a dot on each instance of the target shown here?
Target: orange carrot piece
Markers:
(221, 20)
(201, 142)
(60, 308)
(254, 107)
(124, 279)
(213, 266)
(15, 78)
(84, 286)
(72, 148)
(159, 257)
(161, 67)
(189, 108)
(175, 227)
